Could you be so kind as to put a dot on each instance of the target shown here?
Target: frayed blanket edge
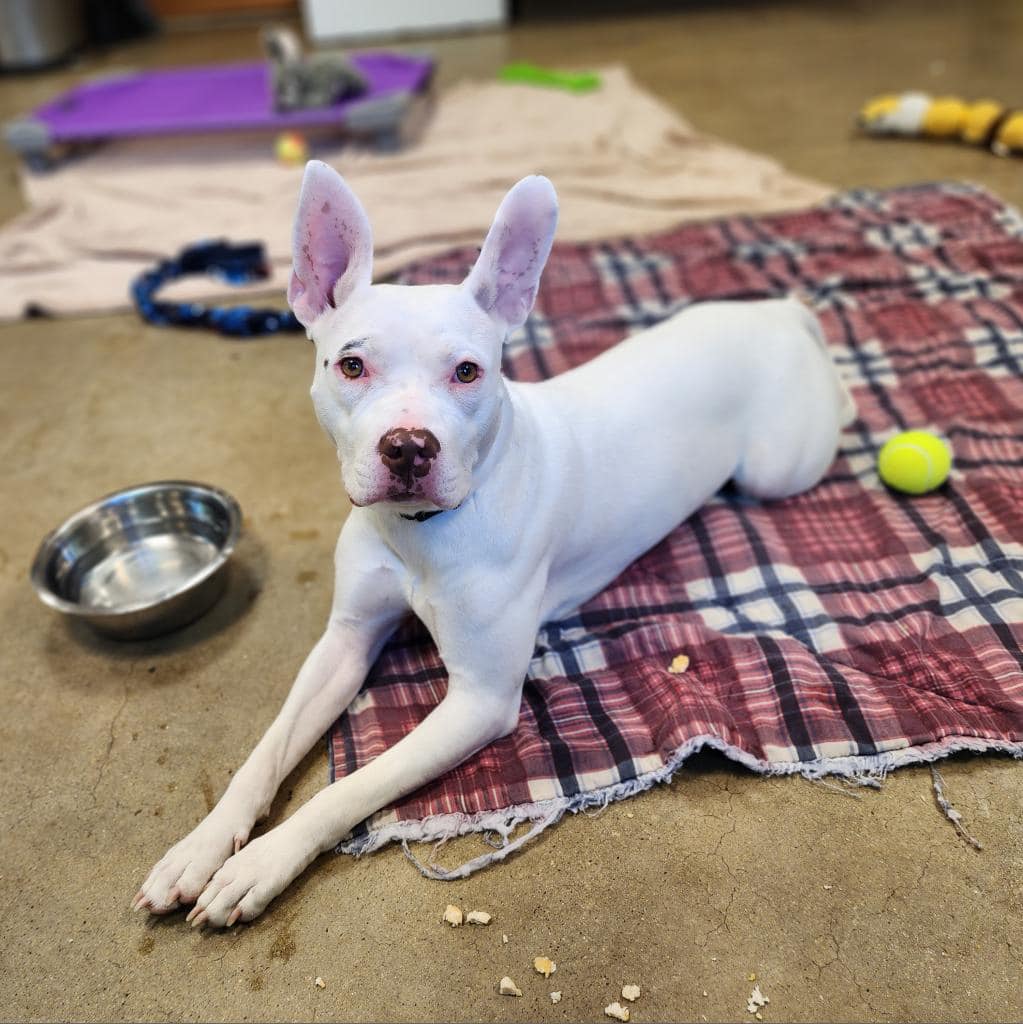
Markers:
(866, 770)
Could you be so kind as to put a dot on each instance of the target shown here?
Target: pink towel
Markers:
(620, 159)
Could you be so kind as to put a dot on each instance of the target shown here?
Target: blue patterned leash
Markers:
(235, 264)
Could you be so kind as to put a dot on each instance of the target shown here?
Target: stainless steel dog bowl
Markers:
(142, 561)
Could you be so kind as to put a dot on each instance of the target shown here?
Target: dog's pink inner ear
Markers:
(331, 244)
(505, 289)
(322, 273)
(507, 274)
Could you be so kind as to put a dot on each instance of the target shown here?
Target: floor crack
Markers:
(919, 878)
(110, 742)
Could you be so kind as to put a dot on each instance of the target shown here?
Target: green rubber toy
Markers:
(530, 74)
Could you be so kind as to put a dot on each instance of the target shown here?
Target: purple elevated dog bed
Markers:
(215, 98)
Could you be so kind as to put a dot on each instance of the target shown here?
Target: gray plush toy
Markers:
(301, 82)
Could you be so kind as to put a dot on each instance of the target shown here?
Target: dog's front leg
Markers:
(329, 678)
(487, 662)
(367, 605)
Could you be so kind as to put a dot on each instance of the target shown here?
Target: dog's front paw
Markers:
(244, 886)
(180, 876)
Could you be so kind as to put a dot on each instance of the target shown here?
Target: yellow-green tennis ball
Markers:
(290, 148)
(915, 462)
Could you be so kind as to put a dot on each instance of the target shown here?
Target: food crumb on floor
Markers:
(555, 997)
(452, 915)
(630, 992)
(320, 983)
(617, 1011)
(478, 917)
(507, 987)
(544, 965)
(755, 1001)
(504, 938)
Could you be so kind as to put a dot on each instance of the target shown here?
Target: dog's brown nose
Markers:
(408, 453)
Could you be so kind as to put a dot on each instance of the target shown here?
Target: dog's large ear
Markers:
(332, 245)
(507, 273)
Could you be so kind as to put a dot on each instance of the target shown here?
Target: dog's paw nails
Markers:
(198, 919)
(235, 916)
(185, 870)
(239, 842)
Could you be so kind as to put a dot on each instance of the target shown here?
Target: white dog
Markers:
(488, 507)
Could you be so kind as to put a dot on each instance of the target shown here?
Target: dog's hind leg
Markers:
(793, 438)
(771, 470)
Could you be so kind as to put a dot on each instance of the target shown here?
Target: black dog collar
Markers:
(421, 517)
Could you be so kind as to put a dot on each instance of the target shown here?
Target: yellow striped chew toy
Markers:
(984, 123)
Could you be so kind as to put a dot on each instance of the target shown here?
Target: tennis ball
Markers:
(915, 462)
(291, 148)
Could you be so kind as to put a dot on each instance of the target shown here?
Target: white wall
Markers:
(340, 19)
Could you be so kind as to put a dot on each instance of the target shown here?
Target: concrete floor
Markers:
(866, 909)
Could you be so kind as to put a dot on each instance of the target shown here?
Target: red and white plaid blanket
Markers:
(846, 631)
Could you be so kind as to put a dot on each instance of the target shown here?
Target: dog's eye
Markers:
(351, 367)
(467, 372)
